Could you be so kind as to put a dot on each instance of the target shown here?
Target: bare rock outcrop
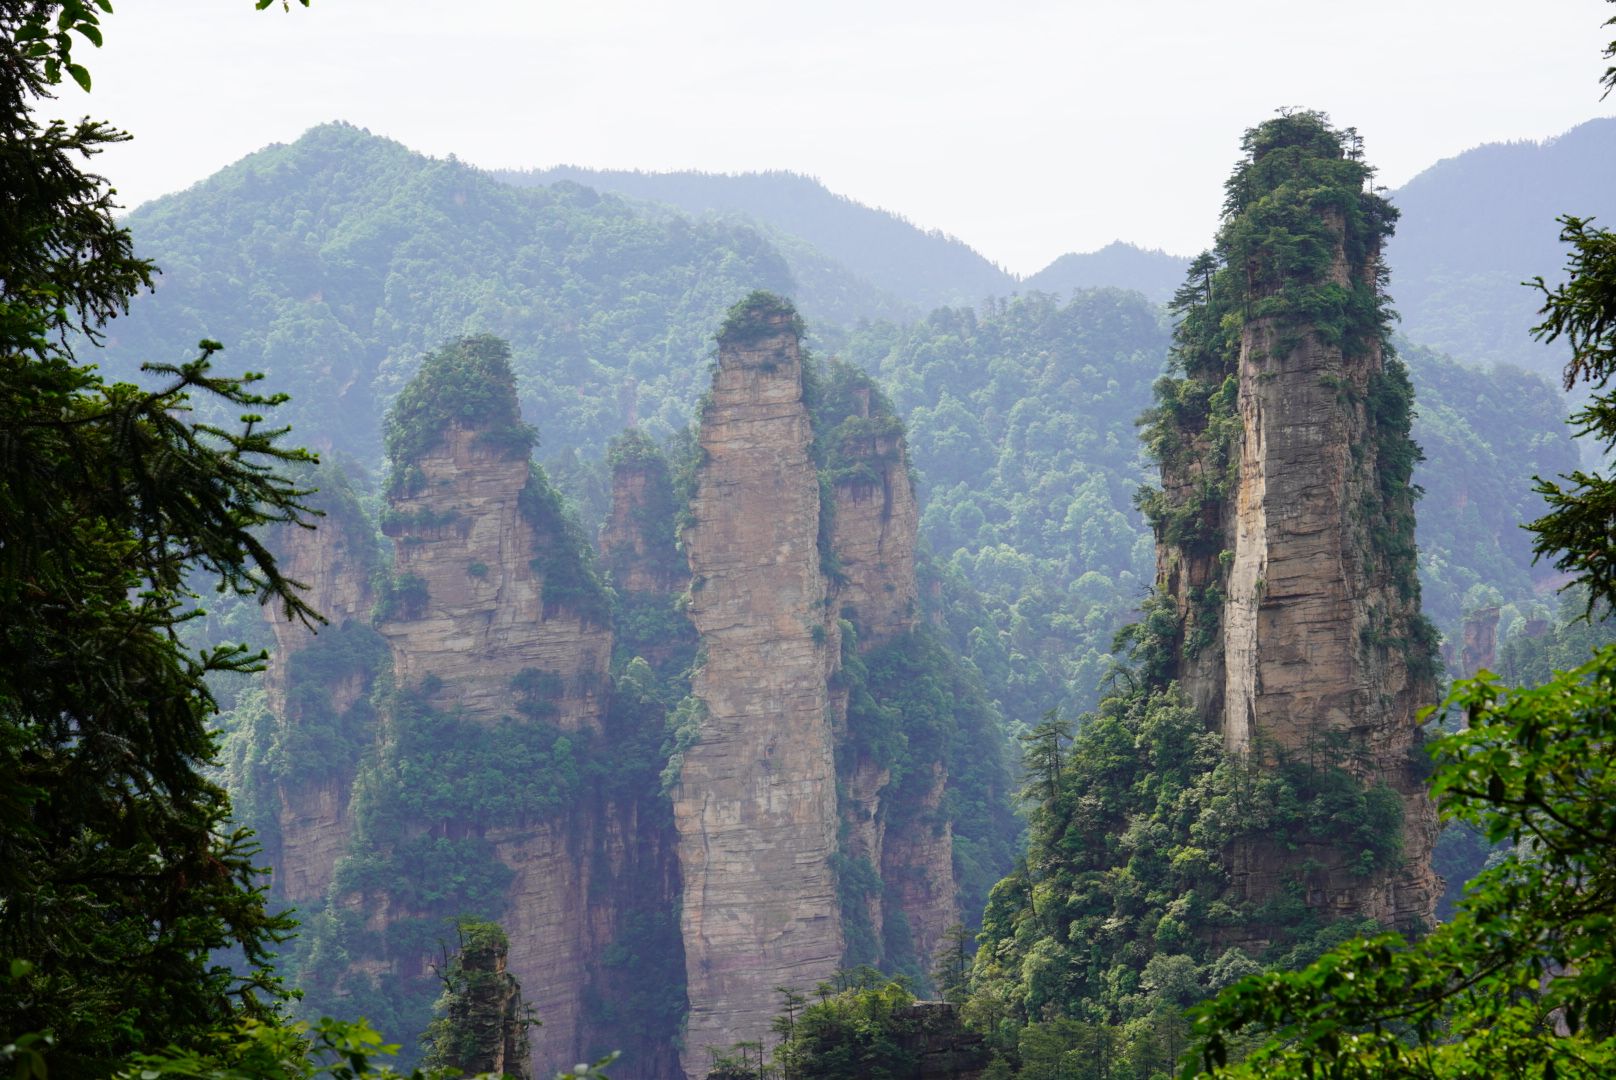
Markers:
(875, 532)
(755, 804)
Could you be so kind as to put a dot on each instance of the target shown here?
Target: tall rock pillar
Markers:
(317, 690)
(755, 804)
(1285, 523)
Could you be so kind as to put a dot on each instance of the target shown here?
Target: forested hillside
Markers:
(1476, 226)
(332, 264)
(919, 268)
(1118, 265)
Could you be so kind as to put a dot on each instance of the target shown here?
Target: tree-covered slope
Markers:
(332, 264)
(1475, 226)
(925, 268)
(1485, 435)
(1021, 423)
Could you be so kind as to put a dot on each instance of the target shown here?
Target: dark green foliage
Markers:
(1535, 642)
(121, 875)
(1579, 530)
(565, 560)
(945, 717)
(858, 884)
(633, 447)
(480, 1019)
(422, 806)
(643, 1002)
(1471, 998)
(67, 260)
(757, 316)
(637, 997)
(1390, 407)
(1113, 916)
(467, 384)
(401, 597)
(313, 741)
(856, 433)
(855, 1032)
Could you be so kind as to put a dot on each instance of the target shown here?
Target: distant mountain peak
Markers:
(924, 268)
(1118, 264)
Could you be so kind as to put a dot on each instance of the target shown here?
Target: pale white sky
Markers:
(1027, 128)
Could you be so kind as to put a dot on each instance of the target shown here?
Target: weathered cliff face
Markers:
(472, 610)
(874, 533)
(1317, 625)
(473, 617)
(1302, 632)
(317, 678)
(333, 561)
(917, 867)
(876, 526)
(755, 805)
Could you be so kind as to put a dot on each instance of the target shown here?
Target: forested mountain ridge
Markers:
(333, 263)
(1118, 265)
(922, 268)
(1475, 226)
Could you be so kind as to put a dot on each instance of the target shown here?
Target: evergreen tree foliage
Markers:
(1579, 530)
(1119, 915)
(120, 873)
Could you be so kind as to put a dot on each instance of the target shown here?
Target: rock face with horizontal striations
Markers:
(1302, 637)
(1316, 625)
(470, 606)
(320, 678)
(472, 538)
(874, 534)
(755, 804)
